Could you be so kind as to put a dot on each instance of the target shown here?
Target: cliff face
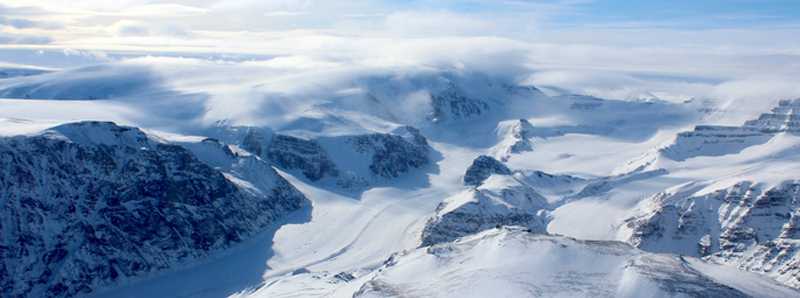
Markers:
(351, 161)
(715, 140)
(783, 118)
(306, 156)
(88, 204)
(745, 225)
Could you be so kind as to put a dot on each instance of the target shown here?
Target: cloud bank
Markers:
(736, 59)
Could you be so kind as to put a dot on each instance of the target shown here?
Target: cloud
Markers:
(128, 28)
(92, 55)
(23, 39)
(744, 99)
(285, 13)
(160, 10)
(316, 39)
(437, 24)
(21, 10)
(624, 85)
(17, 23)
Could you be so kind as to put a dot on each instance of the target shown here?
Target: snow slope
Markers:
(512, 262)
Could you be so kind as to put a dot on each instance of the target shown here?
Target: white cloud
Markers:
(23, 39)
(130, 28)
(437, 24)
(161, 10)
(127, 28)
(625, 60)
(285, 13)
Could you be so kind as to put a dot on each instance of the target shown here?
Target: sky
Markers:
(609, 48)
(26, 22)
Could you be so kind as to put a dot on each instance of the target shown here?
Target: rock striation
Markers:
(747, 225)
(86, 205)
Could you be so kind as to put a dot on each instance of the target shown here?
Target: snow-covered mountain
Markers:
(746, 225)
(348, 161)
(90, 204)
(381, 182)
(514, 137)
(716, 140)
(511, 262)
(501, 200)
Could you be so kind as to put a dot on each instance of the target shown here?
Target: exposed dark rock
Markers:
(394, 154)
(483, 167)
(307, 156)
(451, 103)
(506, 202)
(89, 204)
(742, 225)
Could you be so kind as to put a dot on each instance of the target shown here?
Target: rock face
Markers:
(745, 225)
(483, 167)
(307, 156)
(393, 154)
(715, 140)
(501, 200)
(783, 118)
(711, 140)
(515, 137)
(453, 104)
(350, 161)
(88, 204)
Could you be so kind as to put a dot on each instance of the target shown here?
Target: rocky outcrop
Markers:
(514, 138)
(306, 156)
(716, 140)
(395, 153)
(745, 225)
(712, 140)
(501, 200)
(86, 205)
(483, 167)
(453, 104)
(350, 161)
(783, 118)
